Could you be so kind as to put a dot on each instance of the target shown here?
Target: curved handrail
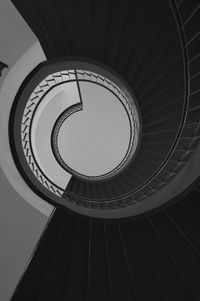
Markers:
(146, 188)
(155, 182)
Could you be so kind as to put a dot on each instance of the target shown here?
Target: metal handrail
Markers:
(34, 101)
(154, 183)
(144, 190)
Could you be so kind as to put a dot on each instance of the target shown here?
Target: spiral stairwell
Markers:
(154, 47)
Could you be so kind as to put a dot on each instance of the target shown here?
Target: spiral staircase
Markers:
(118, 238)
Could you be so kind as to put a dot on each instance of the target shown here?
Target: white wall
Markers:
(20, 224)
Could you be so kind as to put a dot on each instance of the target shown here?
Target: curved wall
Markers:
(27, 62)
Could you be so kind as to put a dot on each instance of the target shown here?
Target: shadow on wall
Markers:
(2, 67)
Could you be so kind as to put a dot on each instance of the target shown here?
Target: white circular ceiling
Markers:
(95, 140)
